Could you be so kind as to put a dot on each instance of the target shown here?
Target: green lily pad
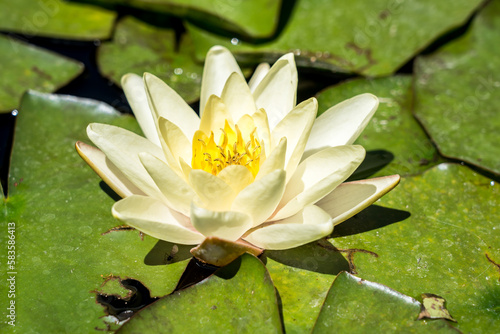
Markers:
(24, 66)
(55, 18)
(443, 248)
(60, 213)
(372, 38)
(392, 128)
(457, 93)
(254, 19)
(135, 49)
(354, 305)
(302, 277)
(239, 298)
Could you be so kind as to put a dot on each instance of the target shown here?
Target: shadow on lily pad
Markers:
(371, 218)
(110, 192)
(374, 161)
(312, 256)
(165, 252)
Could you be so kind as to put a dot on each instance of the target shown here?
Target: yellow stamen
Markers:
(231, 150)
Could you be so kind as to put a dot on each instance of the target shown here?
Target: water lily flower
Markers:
(254, 169)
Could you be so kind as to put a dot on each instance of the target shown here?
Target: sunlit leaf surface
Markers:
(55, 18)
(239, 298)
(61, 210)
(435, 233)
(136, 49)
(254, 19)
(457, 93)
(24, 67)
(354, 305)
(372, 38)
(395, 141)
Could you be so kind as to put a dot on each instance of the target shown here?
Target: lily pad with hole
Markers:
(253, 19)
(238, 298)
(354, 305)
(395, 142)
(61, 212)
(445, 242)
(457, 93)
(26, 67)
(372, 38)
(55, 19)
(136, 49)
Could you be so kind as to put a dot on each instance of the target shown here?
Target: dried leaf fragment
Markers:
(433, 308)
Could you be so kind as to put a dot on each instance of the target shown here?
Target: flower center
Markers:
(234, 148)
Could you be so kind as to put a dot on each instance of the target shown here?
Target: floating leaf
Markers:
(60, 211)
(392, 128)
(24, 66)
(302, 277)
(441, 247)
(372, 38)
(433, 308)
(255, 19)
(354, 305)
(457, 93)
(55, 18)
(239, 298)
(135, 49)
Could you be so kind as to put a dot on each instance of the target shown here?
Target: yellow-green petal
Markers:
(317, 176)
(309, 224)
(260, 199)
(351, 197)
(342, 123)
(228, 225)
(165, 102)
(156, 219)
(107, 171)
(177, 192)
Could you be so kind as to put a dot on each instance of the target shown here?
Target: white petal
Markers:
(174, 143)
(312, 223)
(177, 192)
(219, 65)
(236, 176)
(133, 87)
(108, 172)
(277, 92)
(165, 102)
(317, 176)
(351, 197)
(228, 225)
(259, 74)
(275, 161)
(212, 191)
(262, 124)
(215, 116)
(296, 127)
(122, 147)
(155, 219)
(185, 168)
(237, 97)
(342, 123)
(260, 199)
